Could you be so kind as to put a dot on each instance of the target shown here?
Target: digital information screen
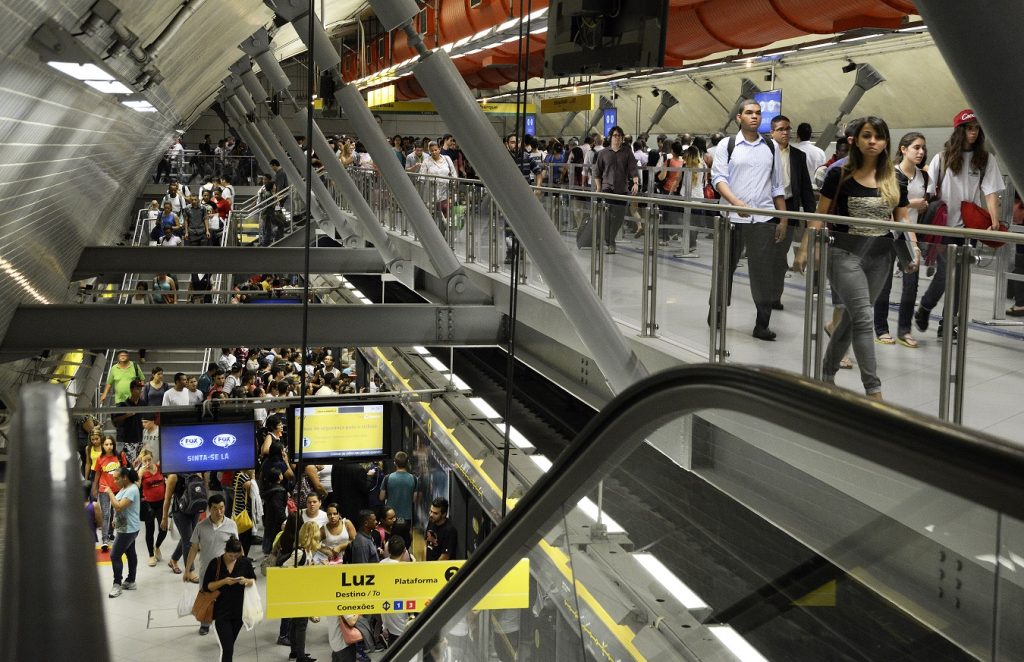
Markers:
(349, 432)
(195, 447)
(771, 107)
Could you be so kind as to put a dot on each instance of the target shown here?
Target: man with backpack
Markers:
(208, 541)
(120, 378)
(747, 172)
(399, 492)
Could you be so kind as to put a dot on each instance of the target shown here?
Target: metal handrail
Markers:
(981, 469)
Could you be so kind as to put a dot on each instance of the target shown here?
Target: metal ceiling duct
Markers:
(867, 77)
(667, 101)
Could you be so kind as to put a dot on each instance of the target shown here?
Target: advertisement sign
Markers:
(531, 125)
(349, 431)
(195, 447)
(611, 119)
(771, 107)
(576, 102)
(379, 588)
(427, 108)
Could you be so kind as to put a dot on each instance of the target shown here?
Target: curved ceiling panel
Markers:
(458, 19)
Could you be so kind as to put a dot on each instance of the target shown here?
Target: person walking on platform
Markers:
(209, 540)
(615, 172)
(230, 573)
(126, 504)
(747, 172)
(799, 197)
(965, 178)
(860, 258)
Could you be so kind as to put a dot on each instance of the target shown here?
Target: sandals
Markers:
(846, 363)
(1015, 312)
(174, 567)
(907, 340)
(885, 339)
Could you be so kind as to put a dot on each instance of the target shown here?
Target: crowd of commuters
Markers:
(304, 515)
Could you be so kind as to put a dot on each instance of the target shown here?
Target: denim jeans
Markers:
(124, 543)
(938, 285)
(906, 311)
(857, 281)
(185, 524)
(108, 513)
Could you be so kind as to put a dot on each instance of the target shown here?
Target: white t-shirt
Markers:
(335, 637)
(194, 397)
(320, 519)
(395, 623)
(915, 189)
(173, 397)
(964, 185)
(172, 240)
(815, 156)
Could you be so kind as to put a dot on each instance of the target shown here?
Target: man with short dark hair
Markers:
(177, 396)
(363, 549)
(441, 537)
(815, 155)
(747, 172)
(615, 172)
(129, 426)
(208, 540)
(206, 381)
(196, 221)
(799, 195)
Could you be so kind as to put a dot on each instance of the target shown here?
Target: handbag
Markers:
(202, 609)
(242, 521)
(351, 633)
(976, 217)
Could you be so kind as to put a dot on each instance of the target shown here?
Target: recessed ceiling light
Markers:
(81, 71)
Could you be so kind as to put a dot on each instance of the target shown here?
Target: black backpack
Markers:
(192, 499)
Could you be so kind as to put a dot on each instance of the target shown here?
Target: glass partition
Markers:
(828, 528)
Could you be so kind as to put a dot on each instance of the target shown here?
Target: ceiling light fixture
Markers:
(655, 92)
(708, 85)
(849, 67)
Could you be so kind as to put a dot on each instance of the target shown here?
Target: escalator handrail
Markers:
(977, 467)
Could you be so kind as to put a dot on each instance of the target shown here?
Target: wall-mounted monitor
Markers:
(207, 446)
(342, 432)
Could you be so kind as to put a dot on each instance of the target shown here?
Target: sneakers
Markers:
(129, 586)
(921, 318)
(284, 641)
(158, 555)
(610, 250)
(114, 591)
(204, 630)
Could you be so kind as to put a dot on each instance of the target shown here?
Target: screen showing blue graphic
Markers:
(220, 446)
(611, 118)
(771, 107)
(531, 125)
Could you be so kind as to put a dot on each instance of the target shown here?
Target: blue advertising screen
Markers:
(219, 446)
(771, 107)
(531, 125)
(611, 118)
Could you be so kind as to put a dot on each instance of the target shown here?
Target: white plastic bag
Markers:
(252, 607)
(188, 598)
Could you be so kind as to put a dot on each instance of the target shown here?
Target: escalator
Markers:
(811, 526)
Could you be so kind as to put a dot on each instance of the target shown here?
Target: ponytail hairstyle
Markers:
(885, 172)
(953, 152)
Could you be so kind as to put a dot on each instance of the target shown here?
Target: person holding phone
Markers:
(231, 573)
(126, 504)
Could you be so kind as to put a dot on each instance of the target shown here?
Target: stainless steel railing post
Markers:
(645, 278)
(716, 262)
(824, 240)
(960, 331)
(653, 232)
(809, 273)
(945, 364)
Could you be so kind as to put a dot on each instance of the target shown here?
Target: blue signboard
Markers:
(771, 107)
(611, 119)
(531, 125)
(217, 446)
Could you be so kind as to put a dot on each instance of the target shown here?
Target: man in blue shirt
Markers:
(399, 492)
(747, 172)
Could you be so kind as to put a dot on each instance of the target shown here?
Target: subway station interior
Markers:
(407, 219)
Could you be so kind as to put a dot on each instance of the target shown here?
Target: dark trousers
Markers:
(347, 654)
(227, 628)
(937, 287)
(780, 262)
(906, 312)
(185, 524)
(1017, 286)
(124, 543)
(150, 510)
(616, 215)
(759, 241)
(297, 634)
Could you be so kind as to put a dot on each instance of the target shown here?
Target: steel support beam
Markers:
(97, 260)
(584, 309)
(35, 328)
(995, 92)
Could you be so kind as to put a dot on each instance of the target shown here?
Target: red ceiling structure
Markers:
(695, 29)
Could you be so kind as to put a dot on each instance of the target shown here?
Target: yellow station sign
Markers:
(380, 588)
(427, 108)
(576, 102)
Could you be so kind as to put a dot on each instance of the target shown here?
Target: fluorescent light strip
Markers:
(435, 363)
(542, 462)
(109, 86)
(365, 300)
(421, 350)
(813, 46)
(677, 589)
(590, 509)
(485, 409)
(459, 383)
(83, 72)
(736, 644)
(516, 437)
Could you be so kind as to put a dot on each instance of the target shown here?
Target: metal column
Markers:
(585, 311)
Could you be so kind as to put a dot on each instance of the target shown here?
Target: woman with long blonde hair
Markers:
(860, 258)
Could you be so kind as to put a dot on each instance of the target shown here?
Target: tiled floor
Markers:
(144, 625)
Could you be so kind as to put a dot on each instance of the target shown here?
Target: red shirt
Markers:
(106, 466)
(223, 208)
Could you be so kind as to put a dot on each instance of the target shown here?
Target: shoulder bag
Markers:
(202, 609)
(351, 633)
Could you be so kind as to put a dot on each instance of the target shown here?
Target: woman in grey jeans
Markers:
(860, 258)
